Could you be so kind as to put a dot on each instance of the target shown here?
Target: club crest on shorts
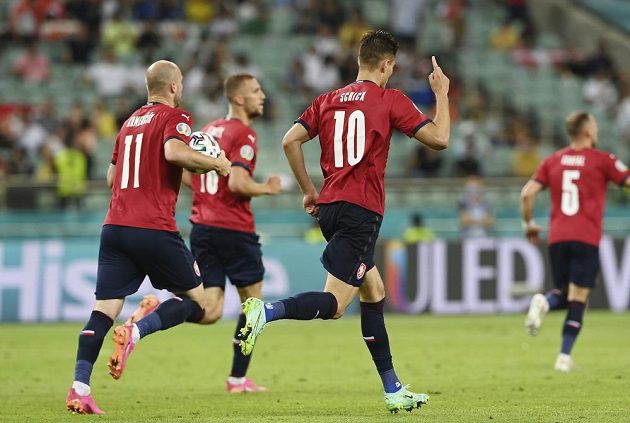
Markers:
(361, 271)
(183, 129)
(196, 268)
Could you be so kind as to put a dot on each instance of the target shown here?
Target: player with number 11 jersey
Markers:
(147, 185)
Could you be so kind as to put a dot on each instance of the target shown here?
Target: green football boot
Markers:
(254, 310)
(404, 400)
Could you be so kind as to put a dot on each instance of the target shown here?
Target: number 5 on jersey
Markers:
(355, 138)
(570, 202)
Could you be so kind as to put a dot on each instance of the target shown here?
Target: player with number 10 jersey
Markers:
(355, 125)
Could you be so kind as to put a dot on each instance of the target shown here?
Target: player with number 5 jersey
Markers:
(354, 125)
(577, 177)
(139, 237)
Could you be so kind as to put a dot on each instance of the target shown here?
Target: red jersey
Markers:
(213, 202)
(577, 181)
(355, 124)
(145, 188)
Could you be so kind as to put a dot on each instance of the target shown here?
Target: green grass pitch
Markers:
(476, 369)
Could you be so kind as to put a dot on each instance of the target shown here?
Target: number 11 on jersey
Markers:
(124, 183)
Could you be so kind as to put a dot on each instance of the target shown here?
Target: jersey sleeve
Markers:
(615, 170)
(542, 173)
(405, 116)
(310, 118)
(178, 125)
(115, 151)
(243, 152)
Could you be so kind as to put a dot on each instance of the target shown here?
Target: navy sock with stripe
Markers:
(90, 343)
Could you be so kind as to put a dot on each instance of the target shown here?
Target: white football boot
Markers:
(538, 307)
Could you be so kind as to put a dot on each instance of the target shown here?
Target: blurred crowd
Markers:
(106, 45)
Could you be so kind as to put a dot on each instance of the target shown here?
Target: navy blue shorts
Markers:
(126, 255)
(574, 262)
(224, 252)
(351, 232)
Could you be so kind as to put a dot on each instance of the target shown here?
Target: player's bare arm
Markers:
(528, 196)
(436, 134)
(240, 182)
(187, 178)
(179, 154)
(111, 173)
(292, 144)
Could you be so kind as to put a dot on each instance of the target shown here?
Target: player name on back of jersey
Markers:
(573, 160)
(352, 96)
(139, 120)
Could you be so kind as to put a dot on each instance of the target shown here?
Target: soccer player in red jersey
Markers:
(139, 235)
(223, 238)
(355, 124)
(577, 177)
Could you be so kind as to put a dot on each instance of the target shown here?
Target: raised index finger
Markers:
(435, 65)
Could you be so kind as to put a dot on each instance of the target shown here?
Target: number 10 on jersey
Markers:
(355, 138)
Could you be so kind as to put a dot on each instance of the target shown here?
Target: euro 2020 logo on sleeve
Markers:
(247, 152)
(183, 129)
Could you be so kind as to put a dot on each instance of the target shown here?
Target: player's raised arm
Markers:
(292, 144)
(179, 154)
(528, 196)
(436, 134)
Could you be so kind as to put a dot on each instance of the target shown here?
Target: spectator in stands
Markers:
(104, 121)
(80, 46)
(506, 37)
(468, 164)
(331, 13)
(8, 140)
(89, 13)
(622, 118)
(253, 16)
(224, 23)
(326, 43)
(353, 30)
(26, 17)
(119, 36)
(313, 235)
(19, 164)
(32, 66)
(242, 64)
(199, 11)
(149, 41)
(425, 162)
(417, 232)
(526, 156)
(46, 116)
(86, 141)
(405, 17)
(475, 213)
(452, 14)
(71, 170)
(45, 168)
(110, 77)
(32, 135)
(600, 92)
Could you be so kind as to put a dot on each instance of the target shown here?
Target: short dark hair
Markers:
(575, 122)
(233, 82)
(376, 46)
